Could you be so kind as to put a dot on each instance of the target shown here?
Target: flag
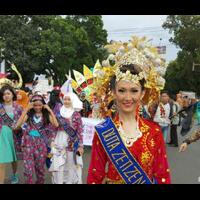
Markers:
(79, 77)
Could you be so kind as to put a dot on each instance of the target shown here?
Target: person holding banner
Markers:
(10, 150)
(67, 148)
(133, 147)
(37, 121)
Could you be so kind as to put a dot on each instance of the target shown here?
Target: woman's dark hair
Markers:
(11, 89)
(54, 98)
(134, 69)
(45, 113)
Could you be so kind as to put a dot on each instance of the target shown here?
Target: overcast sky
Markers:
(121, 27)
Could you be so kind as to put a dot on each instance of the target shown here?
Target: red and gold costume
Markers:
(148, 150)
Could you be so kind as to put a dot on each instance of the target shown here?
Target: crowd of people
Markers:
(171, 113)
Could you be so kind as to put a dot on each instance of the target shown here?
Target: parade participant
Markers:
(10, 150)
(22, 98)
(37, 135)
(67, 148)
(85, 112)
(163, 113)
(133, 147)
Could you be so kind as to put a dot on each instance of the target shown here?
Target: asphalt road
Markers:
(185, 166)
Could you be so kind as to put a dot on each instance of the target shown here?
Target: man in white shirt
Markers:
(163, 113)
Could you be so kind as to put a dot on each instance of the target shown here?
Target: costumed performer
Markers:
(67, 148)
(133, 147)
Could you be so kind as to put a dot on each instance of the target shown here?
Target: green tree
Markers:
(185, 31)
(51, 44)
(97, 36)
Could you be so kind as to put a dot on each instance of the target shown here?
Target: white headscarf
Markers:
(77, 104)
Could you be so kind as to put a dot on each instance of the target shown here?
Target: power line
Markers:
(129, 32)
(136, 28)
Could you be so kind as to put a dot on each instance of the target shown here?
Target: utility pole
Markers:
(3, 67)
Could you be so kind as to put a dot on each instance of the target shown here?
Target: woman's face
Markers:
(128, 96)
(67, 102)
(7, 96)
(37, 106)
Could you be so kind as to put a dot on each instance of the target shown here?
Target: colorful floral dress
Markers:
(34, 145)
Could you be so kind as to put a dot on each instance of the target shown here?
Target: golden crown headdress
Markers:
(139, 52)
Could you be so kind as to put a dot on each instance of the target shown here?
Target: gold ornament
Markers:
(138, 52)
(5, 81)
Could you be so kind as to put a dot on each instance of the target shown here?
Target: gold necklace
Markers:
(128, 141)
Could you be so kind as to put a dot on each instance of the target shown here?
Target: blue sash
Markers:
(71, 132)
(126, 165)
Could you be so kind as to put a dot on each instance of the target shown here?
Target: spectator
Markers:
(163, 113)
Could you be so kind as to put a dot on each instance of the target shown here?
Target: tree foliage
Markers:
(185, 31)
(51, 44)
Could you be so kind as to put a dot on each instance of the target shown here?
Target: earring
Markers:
(140, 110)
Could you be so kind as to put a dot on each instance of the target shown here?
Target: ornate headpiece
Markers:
(67, 90)
(128, 76)
(137, 52)
(37, 97)
(6, 81)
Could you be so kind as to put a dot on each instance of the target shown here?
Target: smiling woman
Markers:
(128, 94)
(132, 146)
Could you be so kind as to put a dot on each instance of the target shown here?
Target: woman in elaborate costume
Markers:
(133, 147)
(67, 148)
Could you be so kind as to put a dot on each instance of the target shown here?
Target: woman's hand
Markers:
(52, 144)
(183, 147)
(80, 150)
(47, 108)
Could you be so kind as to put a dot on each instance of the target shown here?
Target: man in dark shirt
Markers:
(86, 105)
